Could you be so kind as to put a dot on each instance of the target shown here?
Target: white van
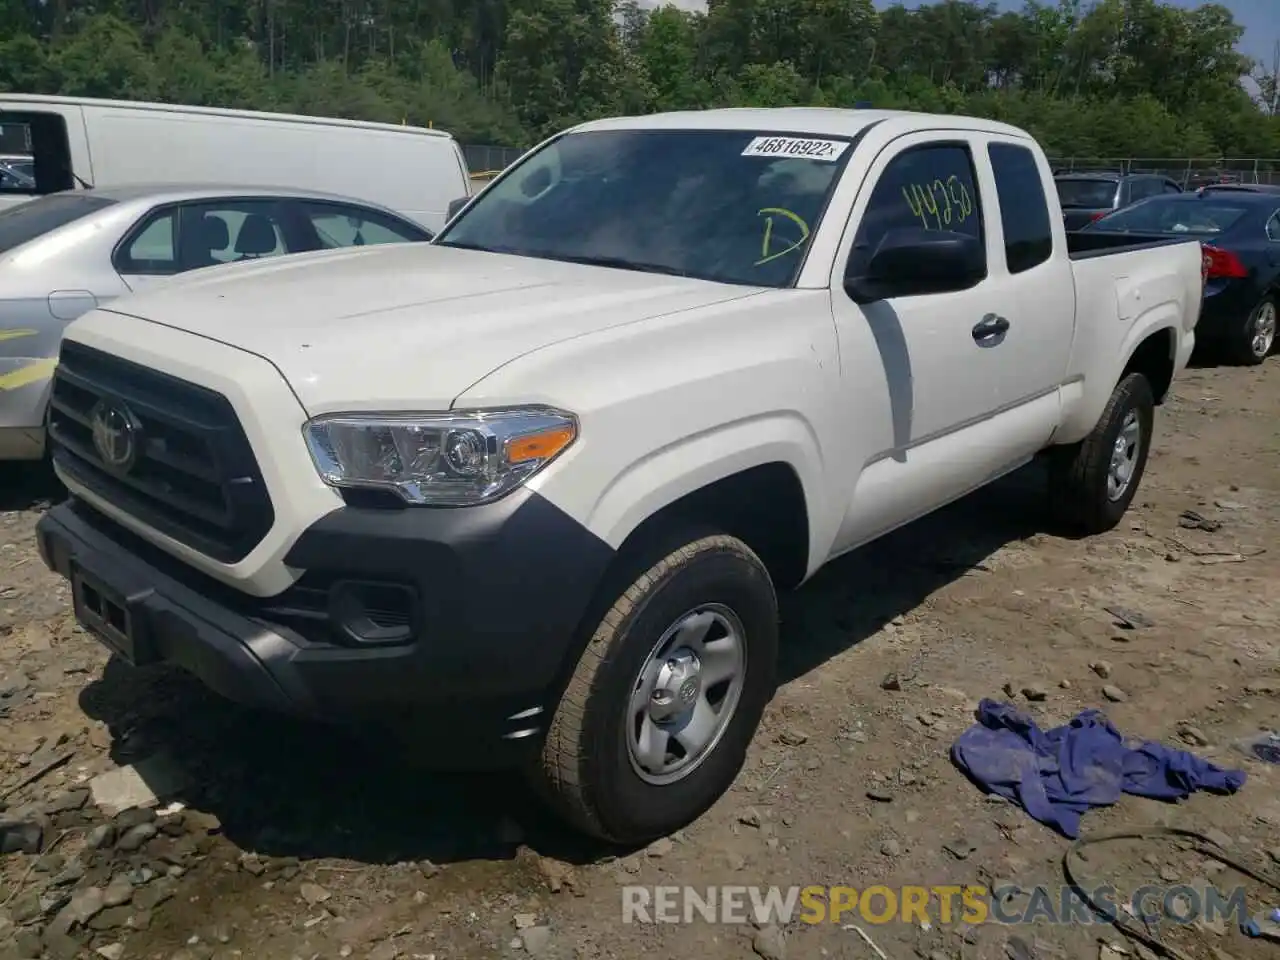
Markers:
(78, 143)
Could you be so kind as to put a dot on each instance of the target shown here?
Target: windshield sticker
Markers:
(796, 148)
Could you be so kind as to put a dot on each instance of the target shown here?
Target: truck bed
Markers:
(1083, 244)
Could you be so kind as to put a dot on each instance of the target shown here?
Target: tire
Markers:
(586, 771)
(1257, 336)
(1079, 489)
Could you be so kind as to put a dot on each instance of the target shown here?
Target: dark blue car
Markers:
(1240, 230)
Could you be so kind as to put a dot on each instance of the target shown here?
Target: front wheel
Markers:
(1093, 482)
(655, 722)
(1254, 341)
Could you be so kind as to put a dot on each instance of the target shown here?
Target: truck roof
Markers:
(824, 121)
(30, 99)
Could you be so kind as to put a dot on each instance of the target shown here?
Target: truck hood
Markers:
(407, 326)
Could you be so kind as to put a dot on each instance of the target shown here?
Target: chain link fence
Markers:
(486, 161)
(1190, 172)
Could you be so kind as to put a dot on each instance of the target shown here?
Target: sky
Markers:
(1259, 18)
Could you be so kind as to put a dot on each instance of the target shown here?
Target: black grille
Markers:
(195, 478)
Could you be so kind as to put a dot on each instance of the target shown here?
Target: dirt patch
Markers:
(293, 841)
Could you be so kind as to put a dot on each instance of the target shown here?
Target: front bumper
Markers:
(495, 596)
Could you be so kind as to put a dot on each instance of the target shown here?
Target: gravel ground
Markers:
(275, 840)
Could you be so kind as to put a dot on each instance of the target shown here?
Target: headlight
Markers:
(445, 459)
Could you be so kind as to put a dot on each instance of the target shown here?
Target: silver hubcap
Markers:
(686, 694)
(1124, 456)
(1264, 329)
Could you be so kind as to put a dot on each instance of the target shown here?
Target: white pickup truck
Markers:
(542, 477)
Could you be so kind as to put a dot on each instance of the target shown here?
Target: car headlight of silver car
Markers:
(440, 459)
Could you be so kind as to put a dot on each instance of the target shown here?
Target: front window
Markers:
(1172, 216)
(1086, 194)
(729, 206)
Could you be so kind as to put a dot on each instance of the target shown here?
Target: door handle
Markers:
(989, 327)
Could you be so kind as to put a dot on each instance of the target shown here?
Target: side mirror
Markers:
(911, 261)
(456, 205)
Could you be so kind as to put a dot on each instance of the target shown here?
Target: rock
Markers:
(140, 784)
(386, 950)
(112, 951)
(112, 918)
(770, 943)
(21, 836)
(69, 801)
(890, 848)
(1168, 874)
(1035, 693)
(660, 847)
(1114, 694)
(60, 946)
(197, 821)
(1194, 736)
(1261, 687)
(132, 817)
(557, 874)
(880, 796)
(1274, 854)
(119, 891)
(27, 945)
(891, 681)
(135, 838)
(251, 864)
(154, 894)
(1217, 838)
(313, 893)
(792, 737)
(49, 863)
(84, 905)
(1107, 952)
(961, 849)
(1064, 684)
(535, 940)
(72, 873)
(750, 817)
(101, 836)
(1102, 668)
(524, 921)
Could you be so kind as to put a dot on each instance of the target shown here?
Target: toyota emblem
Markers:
(116, 435)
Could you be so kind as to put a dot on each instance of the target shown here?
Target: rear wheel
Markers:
(1093, 482)
(1254, 341)
(656, 719)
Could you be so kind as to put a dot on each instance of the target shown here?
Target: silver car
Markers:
(67, 253)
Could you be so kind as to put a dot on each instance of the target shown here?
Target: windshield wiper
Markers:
(617, 263)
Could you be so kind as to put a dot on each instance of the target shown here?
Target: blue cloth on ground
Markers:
(1056, 776)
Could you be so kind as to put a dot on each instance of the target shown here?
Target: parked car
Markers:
(1088, 196)
(13, 177)
(542, 477)
(1241, 233)
(18, 163)
(1272, 188)
(81, 143)
(67, 253)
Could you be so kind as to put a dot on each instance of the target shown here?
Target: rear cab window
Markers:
(1024, 209)
(41, 151)
(31, 220)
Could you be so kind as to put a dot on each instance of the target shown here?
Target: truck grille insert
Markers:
(170, 453)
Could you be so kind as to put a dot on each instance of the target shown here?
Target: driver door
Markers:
(922, 374)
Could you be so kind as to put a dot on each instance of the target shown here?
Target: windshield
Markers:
(730, 206)
(1088, 193)
(26, 221)
(1173, 215)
